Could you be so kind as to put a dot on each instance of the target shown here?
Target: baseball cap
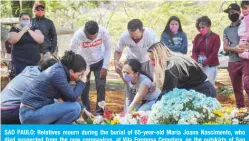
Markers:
(233, 6)
(38, 4)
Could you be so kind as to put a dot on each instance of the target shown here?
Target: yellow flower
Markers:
(210, 122)
(228, 109)
(218, 113)
(115, 121)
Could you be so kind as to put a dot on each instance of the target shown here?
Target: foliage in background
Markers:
(5, 9)
(114, 15)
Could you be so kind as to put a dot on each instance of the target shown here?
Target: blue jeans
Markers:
(211, 73)
(10, 116)
(58, 113)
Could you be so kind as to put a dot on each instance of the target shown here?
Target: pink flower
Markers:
(143, 120)
(108, 115)
(122, 114)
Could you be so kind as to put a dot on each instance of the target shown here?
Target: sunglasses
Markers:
(39, 9)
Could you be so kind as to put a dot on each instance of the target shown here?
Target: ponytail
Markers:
(73, 61)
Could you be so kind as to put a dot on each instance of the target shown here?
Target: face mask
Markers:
(72, 78)
(233, 17)
(39, 13)
(204, 31)
(174, 29)
(25, 22)
(127, 78)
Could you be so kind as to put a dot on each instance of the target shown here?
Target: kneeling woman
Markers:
(175, 70)
(138, 96)
(37, 103)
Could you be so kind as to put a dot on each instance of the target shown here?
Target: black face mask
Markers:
(233, 17)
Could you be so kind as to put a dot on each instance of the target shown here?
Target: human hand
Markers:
(85, 74)
(90, 115)
(246, 46)
(26, 28)
(118, 67)
(60, 100)
(103, 73)
(238, 49)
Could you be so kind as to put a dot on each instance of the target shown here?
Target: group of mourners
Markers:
(41, 92)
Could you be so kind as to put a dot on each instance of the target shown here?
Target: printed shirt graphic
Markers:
(89, 44)
(179, 44)
(177, 41)
(92, 50)
(137, 50)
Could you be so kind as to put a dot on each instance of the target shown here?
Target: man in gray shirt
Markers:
(11, 94)
(237, 67)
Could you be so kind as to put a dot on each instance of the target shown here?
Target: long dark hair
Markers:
(136, 66)
(167, 28)
(73, 61)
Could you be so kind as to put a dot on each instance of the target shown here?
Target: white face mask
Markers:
(25, 22)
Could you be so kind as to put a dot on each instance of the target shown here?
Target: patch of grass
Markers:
(111, 85)
(224, 90)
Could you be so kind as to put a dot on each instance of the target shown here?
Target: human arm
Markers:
(107, 53)
(143, 90)
(246, 46)
(194, 50)
(37, 36)
(226, 47)
(117, 55)
(107, 45)
(170, 81)
(14, 36)
(75, 42)
(52, 38)
(237, 49)
(59, 81)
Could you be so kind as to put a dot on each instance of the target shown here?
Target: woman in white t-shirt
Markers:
(138, 96)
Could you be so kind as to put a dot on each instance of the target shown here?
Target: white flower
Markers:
(98, 120)
(235, 121)
(102, 104)
(185, 107)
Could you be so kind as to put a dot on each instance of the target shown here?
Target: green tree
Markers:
(5, 9)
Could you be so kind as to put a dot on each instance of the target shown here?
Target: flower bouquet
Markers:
(231, 115)
(181, 106)
(113, 118)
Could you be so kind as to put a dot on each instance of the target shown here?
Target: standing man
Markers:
(237, 67)
(87, 42)
(47, 28)
(138, 39)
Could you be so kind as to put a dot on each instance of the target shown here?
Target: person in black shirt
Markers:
(175, 70)
(25, 40)
(49, 46)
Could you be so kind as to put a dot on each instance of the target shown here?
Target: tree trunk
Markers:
(15, 8)
(23, 6)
